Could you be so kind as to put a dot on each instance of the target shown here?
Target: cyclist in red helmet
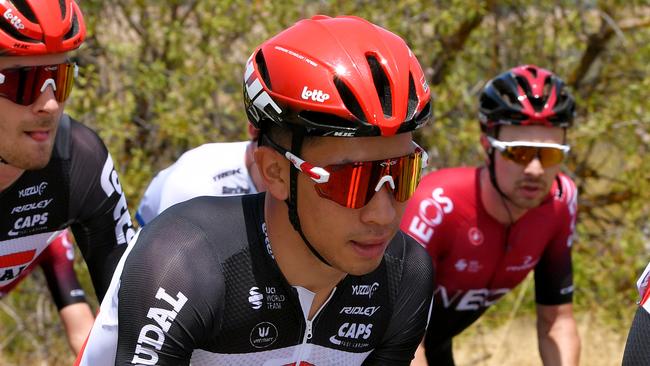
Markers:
(54, 172)
(487, 227)
(315, 271)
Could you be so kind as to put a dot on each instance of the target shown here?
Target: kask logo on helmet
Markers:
(13, 19)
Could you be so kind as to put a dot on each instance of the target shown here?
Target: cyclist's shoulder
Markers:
(407, 251)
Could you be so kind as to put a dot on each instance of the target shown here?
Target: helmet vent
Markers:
(382, 85)
(506, 93)
(532, 70)
(413, 99)
(6, 27)
(263, 69)
(350, 101)
(25, 10)
(74, 29)
(63, 9)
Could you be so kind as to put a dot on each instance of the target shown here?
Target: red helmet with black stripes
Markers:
(525, 95)
(340, 76)
(39, 27)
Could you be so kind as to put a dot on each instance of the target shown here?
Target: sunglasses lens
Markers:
(550, 156)
(353, 185)
(24, 85)
(523, 155)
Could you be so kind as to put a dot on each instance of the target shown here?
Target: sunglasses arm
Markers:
(317, 174)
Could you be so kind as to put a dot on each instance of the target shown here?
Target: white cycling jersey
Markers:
(215, 169)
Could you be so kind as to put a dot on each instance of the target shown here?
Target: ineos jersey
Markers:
(200, 283)
(78, 188)
(477, 259)
(216, 169)
(57, 262)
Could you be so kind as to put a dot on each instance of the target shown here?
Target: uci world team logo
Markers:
(263, 335)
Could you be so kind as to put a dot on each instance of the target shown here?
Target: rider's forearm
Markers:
(559, 342)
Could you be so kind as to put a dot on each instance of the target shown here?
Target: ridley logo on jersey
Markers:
(31, 206)
(359, 310)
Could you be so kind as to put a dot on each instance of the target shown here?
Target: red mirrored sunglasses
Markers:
(353, 185)
(23, 85)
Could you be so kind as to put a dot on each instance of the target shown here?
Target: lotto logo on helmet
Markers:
(315, 95)
(14, 20)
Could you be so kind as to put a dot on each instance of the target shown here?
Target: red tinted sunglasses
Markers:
(353, 185)
(23, 85)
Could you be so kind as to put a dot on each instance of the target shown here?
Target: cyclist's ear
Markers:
(486, 147)
(274, 171)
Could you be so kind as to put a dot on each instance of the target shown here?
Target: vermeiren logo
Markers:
(315, 95)
(263, 335)
(354, 331)
(30, 191)
(255, 298)
(365, 290)
(359, 310)
(31, 206)
(14, 20)
(28, 222)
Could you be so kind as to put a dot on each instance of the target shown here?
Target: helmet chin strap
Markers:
(297, 138)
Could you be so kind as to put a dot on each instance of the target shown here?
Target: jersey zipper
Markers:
(309, 328)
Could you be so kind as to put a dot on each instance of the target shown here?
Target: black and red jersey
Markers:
(78, 188)
(57, 263)
(477, 259)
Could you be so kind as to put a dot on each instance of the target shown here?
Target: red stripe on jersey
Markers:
(16, 259)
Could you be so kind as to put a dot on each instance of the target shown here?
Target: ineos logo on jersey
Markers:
(30, 191)
(152, 336)
(31, 206)
(354, 331)
(472, 299)
(359, 310)
(365, 290)
(430, 214)
(255, 298)
(110, 184)
(315, 95)
(14, 20)
(28, 222)
(263, 335)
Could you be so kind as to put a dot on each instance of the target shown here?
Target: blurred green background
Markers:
(161, 77)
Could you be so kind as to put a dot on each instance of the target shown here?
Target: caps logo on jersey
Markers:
(263, 335)
(475, 236)
(352, 335)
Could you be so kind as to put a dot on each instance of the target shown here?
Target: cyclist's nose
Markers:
(381, 210)
(534, 168)
(46, 103)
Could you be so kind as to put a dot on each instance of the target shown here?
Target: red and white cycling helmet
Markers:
(340, 76)
(39, 27)
(525, 95)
